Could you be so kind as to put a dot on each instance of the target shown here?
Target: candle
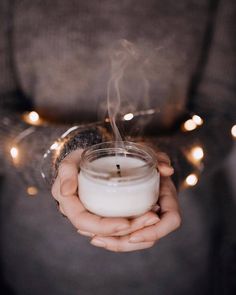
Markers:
(118, 181)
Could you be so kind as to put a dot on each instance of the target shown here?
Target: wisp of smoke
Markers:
(123, 52)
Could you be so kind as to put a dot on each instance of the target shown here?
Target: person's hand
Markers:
(117, 234)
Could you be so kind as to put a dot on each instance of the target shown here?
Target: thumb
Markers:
(68, 173)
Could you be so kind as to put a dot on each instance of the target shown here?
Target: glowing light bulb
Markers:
(189, 125)
(197, 120)
(128, 117)
(54, 146)
(197, 153)
(33, 116)
(14, 152)
(32, 190)
(191, 179)
(233, 131)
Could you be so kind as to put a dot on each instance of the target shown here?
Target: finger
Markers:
(164, 164)
(56, 189)
(165, 170)
(169, 222)
(89, 222)
(119, 244)
(68, 173)
(163, 158)
(137, 223)
(84, 220)
(85, 233)
(170, 216)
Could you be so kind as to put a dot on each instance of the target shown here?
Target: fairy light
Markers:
(197, 153)
(33, 116)
(191, 179)
(197, 120)
(189, 125)
(32, 190)
(14, 152)
(128, 117)
(54, 146)
(233, 131)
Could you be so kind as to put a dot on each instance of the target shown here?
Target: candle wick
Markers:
(118, 170)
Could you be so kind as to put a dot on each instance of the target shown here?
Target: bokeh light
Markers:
(197, 153)
(191, 179)
(128, 117)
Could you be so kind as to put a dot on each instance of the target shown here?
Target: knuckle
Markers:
(155, 237)
(117, 248)
(176, 219)
(151, 244)
(61, 210)
(76, 222)
(54, 191)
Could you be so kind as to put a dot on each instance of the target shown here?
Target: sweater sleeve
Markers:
(25, 140)
(214, 101)
(35, 148)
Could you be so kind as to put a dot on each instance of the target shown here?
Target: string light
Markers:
(191, 179)
(192, 123)
(128, 117)
(197, 153)
(233, 131)
(32, 190)
(54, 146)
(32, 118)
(14, 152)
(197, 120)
(189, 125)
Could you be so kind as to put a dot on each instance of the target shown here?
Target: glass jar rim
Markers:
(123, 148)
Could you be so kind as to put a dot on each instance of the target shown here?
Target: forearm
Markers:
(35, 151)
(213, 137)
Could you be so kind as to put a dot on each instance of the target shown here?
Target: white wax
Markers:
(111, 198)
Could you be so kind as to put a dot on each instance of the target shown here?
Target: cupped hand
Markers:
(117, 234)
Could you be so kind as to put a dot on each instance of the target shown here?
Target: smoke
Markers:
(122, 54)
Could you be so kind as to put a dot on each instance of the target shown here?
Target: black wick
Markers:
(118, 170)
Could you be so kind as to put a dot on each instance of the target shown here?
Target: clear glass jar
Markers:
(118, 179)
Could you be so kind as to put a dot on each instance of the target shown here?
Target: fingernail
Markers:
(98, 243)
(85, 233)
(151, 221)
(122, 227)
(165, 165)
(136, 239)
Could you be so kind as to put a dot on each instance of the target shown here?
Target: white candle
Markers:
(107, 191)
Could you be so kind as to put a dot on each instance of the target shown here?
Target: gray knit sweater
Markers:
(55, 59)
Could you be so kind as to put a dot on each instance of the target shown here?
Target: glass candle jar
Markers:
(118, 179)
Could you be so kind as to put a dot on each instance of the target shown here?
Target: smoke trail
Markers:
(123, 51)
